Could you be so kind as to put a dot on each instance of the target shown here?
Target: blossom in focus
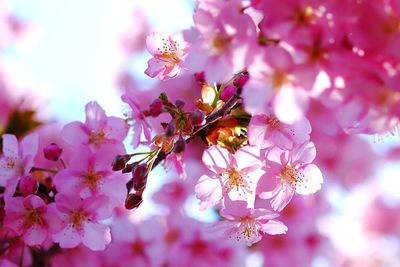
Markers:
(98, 129)
(289, 172)
(79, 222)
(246, 224)
(90, 174)
(29, 218)
(235, 175)
(168, 54)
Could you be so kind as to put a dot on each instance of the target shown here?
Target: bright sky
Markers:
(77, 55)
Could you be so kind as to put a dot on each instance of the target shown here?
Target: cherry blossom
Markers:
(79, 222)
(234, 175)
(267, 131)
(168, 53)
(17, 159)
(247, 225)
(89, 174)
(28, 217)
(289, 172)
(98, 129)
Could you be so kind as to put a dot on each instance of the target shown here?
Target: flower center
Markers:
(248, 229)
(97, 137)
(91, 180)
(290, 175)
(234, 179)
(77, 219)
(220, 43)
(304, 16)
(273, 122)
(279, 78)
(32, 217)
(169, 52)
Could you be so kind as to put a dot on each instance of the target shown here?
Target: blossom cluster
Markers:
(257, 102)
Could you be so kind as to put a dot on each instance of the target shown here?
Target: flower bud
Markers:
(171, 129)
(179, 104)
(27, 185)
(227, 93)
(139, 177)
(199, 77)
(133, 201)
(196, 117)
(119, 162)
(180, 145)
(241, 80)
(52, 152)
(156, 108)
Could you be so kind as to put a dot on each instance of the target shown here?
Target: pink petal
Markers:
(208, 190)
(154, 67)
(34, 202)
(155, 42)
(96, 236)
(29, 145)
(10, 145)
(75, 133)
(311, 182)
(234, 209)
(304, 153)
(273, 227)
(35, 235)
(217, 159)
(68, 237)
(283, 197)
(95, 116)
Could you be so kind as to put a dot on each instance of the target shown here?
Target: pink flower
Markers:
(17, 159)
(273, 83)
(79, 222)
(221, 42)
(246, 224)
(233, 174)
(168, 55)
(90, 174)
(289, 172)
(267, 131)
(97, 130)
(29, 218)
(140, 125)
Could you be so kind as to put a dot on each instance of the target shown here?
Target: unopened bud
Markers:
(180, 145)
(196, 117)
(156, 108)
(133, 201)
(200, 77)
(179, 104)
(241, 80)
(27, 185)
(52, 152)
(139, 177)
(171, 129)
(227, 93)
(119, 162)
